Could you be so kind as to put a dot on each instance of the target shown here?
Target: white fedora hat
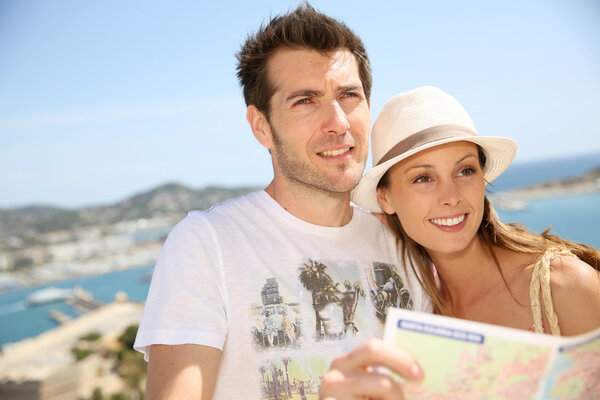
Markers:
(419, 119)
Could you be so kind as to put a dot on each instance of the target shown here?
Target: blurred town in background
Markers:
(42, 244)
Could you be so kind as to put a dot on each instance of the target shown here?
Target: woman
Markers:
(429, 180)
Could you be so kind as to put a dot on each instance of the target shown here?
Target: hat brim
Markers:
(499, 152)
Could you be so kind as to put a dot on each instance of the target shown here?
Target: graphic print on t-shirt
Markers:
(290, 378)
(334, 303)
(387, 289)
(329, 307)
(276, 322)
(337, 291)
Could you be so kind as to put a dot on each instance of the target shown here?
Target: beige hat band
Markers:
(426, 136)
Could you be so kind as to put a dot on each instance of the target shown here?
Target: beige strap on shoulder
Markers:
(540, 280)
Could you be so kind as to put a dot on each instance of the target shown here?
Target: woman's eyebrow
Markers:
(430, 166)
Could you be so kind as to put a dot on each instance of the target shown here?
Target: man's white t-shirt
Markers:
(279, 296)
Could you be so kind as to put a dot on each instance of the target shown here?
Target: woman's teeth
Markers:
(448, 221)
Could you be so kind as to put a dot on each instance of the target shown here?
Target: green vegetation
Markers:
(128, 363)
(120, 396)
(131, 365)
(97, 394)
(80, 354)
(128, 337)
(91, 337)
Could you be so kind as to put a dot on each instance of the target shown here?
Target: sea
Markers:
(575, 217)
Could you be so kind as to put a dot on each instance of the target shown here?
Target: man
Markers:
(268, 329)
(306, 80)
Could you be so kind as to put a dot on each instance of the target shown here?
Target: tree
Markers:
(127, 338)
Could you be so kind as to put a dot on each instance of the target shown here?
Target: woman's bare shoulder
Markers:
(569, 272)
(575, 294)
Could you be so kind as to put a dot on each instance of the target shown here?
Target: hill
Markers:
(172, 201)
(585, 183)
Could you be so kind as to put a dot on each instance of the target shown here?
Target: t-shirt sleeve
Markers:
(186, 303)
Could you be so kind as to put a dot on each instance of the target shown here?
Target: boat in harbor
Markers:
(48, 295)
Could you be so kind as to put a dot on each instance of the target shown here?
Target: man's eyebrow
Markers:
(303, 93)
(349, 88)
(317, 93)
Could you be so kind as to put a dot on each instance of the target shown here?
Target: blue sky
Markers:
(103, 99)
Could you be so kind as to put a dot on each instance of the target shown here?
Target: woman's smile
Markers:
(450, 224)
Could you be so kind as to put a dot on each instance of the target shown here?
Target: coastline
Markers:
(554, 189)
(137, 256)
(517, 198)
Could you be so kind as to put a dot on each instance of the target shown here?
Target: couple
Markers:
(301, 248)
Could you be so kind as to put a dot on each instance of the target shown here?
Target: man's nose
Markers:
(335, 119)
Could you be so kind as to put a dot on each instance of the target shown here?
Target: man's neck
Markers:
(312, 205)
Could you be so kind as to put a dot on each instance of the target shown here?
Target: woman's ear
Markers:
(383, 200)
(260, 126)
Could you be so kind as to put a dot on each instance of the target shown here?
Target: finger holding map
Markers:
(358, 372)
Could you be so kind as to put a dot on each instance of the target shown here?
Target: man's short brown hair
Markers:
(303, 28)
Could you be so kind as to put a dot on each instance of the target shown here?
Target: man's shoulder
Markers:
(249, 210)
(248, 201)
(367, 218)
(229, 215)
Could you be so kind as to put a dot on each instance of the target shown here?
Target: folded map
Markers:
(471, 360)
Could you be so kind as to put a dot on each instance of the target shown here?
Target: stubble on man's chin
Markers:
(300, 173)
(320, 182)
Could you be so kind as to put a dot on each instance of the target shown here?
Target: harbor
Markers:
(43, 331)
(20, 320)
(79, 299)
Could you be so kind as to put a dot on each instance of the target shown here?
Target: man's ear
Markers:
(384, 202)
(260, 126)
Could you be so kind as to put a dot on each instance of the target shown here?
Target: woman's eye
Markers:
(422, 179)
(468, 171)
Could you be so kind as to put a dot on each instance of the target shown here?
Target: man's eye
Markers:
(302, 101)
